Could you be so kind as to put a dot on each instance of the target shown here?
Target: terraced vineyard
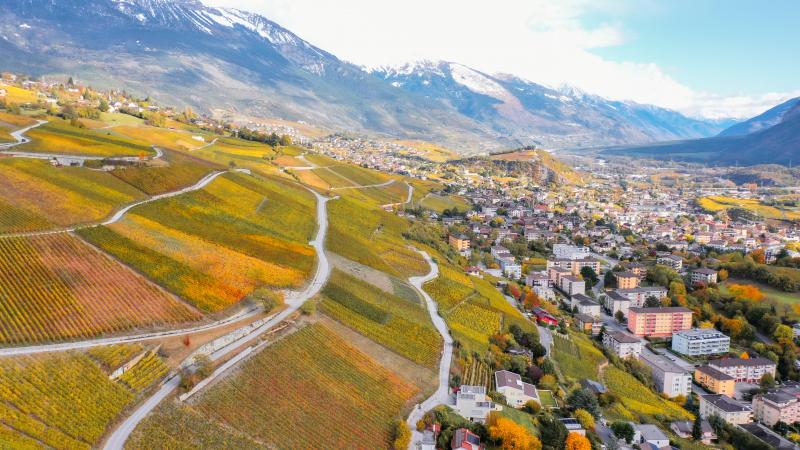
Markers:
(363, 233)
(58, 136)
(35, 195)
(388, 320)
(182, 170)
(56, 287)
(63, 401)
(359, 175)
(215, 246)
(311, 381)
(144, 373)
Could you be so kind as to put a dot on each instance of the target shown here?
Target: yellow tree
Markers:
(513, 436)
(576, 441)
(585, 418)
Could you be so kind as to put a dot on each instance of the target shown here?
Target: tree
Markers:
(532, 407)
(697, 428)
(722, 275)
(620, 316)
(548, 381)
(783, 335)
(652, 302)
(553, 433)
(758, 256)
(402, 435)
(589, 276)
(584, 399)
(577, 441)
(103, 105)
(585, 418)
(767, 381)
(745, 292)
(512, 436)
(623, 430)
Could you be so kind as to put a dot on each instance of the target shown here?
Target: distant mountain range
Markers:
(182, 52)
(772, 137)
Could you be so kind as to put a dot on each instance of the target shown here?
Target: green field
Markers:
(439, 203)
(393, 322)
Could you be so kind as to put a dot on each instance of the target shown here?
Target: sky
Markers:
(713, 59)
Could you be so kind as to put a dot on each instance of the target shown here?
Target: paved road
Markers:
(408, 198)
(364, 186)
(19, 135)
(442, 394)
(294, 300)
(546, 338)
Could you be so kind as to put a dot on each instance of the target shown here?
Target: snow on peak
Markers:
(477, 82)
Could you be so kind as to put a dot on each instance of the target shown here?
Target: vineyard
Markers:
(311, 381)
(184, 170)
(333, 179)
(110, 357)
(360, 175)
(215, 246)
(440, 203)
(395, 323)
(638, 400)
(477, 373)
(57, 287)
(58, 136)
(147, 371)
(577, 358)
(474, 323)
(363, 233)
(63, 401)
(172, 139)
(37, 196)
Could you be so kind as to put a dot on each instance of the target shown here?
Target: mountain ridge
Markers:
(187, 53)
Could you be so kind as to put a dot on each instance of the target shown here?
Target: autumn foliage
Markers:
(745, 292)
(513, 436)
(576, 441)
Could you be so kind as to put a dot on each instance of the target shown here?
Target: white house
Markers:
(726, 408)
(473, 403)
(623, 344)
(670, 379)
(700, 341)
(516, 391)
(649, 433)
(585, 305)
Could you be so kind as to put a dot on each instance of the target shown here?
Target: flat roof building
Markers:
(700, 341)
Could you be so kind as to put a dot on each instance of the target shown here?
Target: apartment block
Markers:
(658, 322)
(778, 405)
(715, 381)
(700, 341)
(670, 379)
(749, 370)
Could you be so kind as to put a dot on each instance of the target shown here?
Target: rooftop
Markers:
(662, 363)
(662, 309)
(714, 373)
(700, 333)
(724, 403)
(733, 362)
(623, 337)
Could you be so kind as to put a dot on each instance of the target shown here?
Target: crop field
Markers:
(172, 139)
(183, 170)
(719, 203)
(367, 235)
(577, 358)
(477, 373)
(213, 247)
(396, 192)
(62, 401)
(20, 96)
(393, 322)
(14, 121)
(332, 178)
(312, 381)
(360, 175)
(312, 180)
(439, 203)
(450, 288)
(111, 357)
(58, 136)
(57, 287)
(37, 196)
(147, 371)
(638, 399)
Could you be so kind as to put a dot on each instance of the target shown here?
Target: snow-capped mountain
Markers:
(182, 52)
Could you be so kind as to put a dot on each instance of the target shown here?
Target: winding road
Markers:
(294, 301)
(441, 396)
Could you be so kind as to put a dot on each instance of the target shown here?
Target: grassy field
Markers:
(215, 246)
(577, 358)
(360, 175)
(395, 323)
(20, 96)
(361, 232)
(439, 203)
(332, 178)
(35, 195)
(57, 287)
(60, 401)
(638, 401)
(58, 136)
(172, 139)
(719, 203)
(311, 381)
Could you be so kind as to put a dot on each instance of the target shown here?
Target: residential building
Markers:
(510, 267)
(459, 242)
(614, 302)
(639, 295)
(589, 323)
(556, 274)
(769, 437)
(669, 378)
(684, 428)
(516, 391)
(538, 279)
(659, 322)
(544, 317)
(627, 280)
(572, 425)
(749, 370)
(463, 439)
(726, 408)
(585, 305)
(781, 404)
(703, 275)
(622, 344)
(671, 261)
(572, 285)
(715, 381)
(473, 403)
(570, 251)
(638, 268)
(700, 341)
(650, 434)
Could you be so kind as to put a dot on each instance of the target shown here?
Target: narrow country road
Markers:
(408, 198)
(546, 338)
(441, 396)
(19, 135)
(293, 300)
(358, 186)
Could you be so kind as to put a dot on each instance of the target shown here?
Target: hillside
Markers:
(175, 50)
(778, 144)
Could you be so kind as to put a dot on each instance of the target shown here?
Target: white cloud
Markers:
(543, 41)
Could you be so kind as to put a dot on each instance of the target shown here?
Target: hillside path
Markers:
(294, 301)
(442, 394)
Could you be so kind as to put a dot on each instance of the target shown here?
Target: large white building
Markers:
(749, 370)
(700, 341)
(473, 403)
(516, 391)
(585, 305)
(670, 379)
(567, 251)
(623, 344)
(778, 405)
